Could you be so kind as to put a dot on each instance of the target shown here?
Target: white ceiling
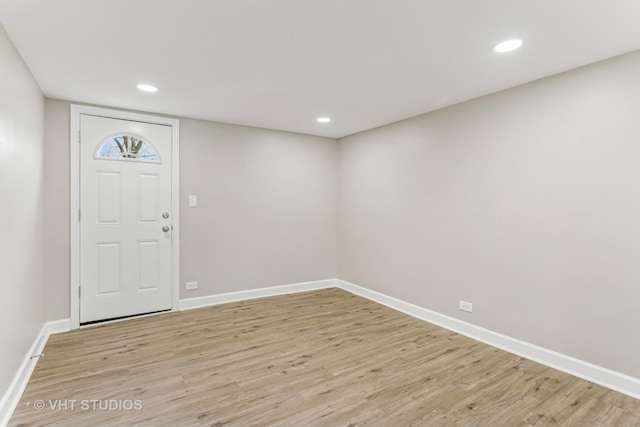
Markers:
(281, 63)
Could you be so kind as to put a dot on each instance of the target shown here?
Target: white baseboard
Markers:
(209, 300)
(59, 326)
(13, 394)
(596, 374)
(16, 388)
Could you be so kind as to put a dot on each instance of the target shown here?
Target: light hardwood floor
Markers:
(322, 358)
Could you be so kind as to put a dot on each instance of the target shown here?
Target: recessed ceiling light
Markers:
(324, 119)
(147, 88)
(507, 46)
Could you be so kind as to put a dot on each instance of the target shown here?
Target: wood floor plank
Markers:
(321, 358)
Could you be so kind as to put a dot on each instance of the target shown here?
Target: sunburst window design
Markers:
(127, 147)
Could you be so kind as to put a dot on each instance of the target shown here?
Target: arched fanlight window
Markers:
(127, 147)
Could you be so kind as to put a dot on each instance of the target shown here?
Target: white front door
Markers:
(125, 218)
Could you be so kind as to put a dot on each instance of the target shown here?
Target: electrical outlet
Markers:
(193, 201)
(465, 306)
(191, 286)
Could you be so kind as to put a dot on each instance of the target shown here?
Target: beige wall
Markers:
(21, 211)
(267, 211)
(525, 202)
(56, 197)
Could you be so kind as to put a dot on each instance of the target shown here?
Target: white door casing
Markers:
(125, 263)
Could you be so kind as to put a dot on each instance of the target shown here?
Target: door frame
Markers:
(74, 198)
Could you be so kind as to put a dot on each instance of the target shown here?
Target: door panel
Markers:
(108, 263)
(149, 256)
(125, 187)
(108, 197)
(148, 198)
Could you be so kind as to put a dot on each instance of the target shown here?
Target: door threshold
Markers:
(94, 323)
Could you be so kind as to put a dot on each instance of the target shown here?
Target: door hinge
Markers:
(79, 215)
(79, 134)
(79, 291)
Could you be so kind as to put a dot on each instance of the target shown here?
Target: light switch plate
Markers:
(193, 201)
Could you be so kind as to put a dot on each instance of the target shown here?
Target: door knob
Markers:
(165, 215)
(165, 228)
